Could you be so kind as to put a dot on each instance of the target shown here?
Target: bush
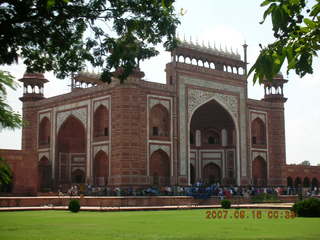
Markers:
(74, 205)
(307, 208)
(226, 204)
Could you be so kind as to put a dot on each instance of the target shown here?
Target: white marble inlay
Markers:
(154, 147)
(104, 102)
(80, 114)
(104, 148)
(153, 102)
(261, 154)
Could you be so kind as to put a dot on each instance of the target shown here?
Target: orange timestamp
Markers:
(245, 214)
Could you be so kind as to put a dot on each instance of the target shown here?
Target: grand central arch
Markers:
(212, 144)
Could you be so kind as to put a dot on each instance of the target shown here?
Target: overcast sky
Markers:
(229, 23)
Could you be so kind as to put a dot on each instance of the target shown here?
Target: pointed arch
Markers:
(71, 136)
(289, 182)
(160, 168)
(211, 173)
(44, 132)
(101, 122)
(101, 168)
(44, 173)
(78, 176)
(297, 182)
(306, 182)
(211, 137)
(219, 109)
(159, 121)
(314, 182)
(258, 132)
(71, 151)
(259, 171)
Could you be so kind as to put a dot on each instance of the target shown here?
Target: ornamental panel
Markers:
(80, 114)
(155, 147)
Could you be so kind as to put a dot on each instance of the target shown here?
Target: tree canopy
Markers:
(296, 27)
(5, 174)
(63, 35)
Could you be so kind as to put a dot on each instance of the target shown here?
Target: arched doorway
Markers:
(44, 174)
(101, 169)
(78, 176)
(211, 173)
(314, 183)
(160, 168)
(297, 182)
(289, 182)
(213, 132)
(71, 151)
(306, 182)
(192, 174)
(259, 171)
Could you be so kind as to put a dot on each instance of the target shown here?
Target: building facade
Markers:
(200, 125)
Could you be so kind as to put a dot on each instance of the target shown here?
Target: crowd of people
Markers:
(198, 190)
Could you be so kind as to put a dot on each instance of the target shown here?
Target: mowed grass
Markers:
(152, 225)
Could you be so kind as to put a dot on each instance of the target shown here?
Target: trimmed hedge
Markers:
(74, 205)
(307, 208)
(226, 204)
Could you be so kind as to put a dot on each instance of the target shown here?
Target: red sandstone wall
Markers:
(277, 145)
(301, 171)
(129, 136)
(25, 170)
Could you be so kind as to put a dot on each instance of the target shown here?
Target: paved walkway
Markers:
(146, 208)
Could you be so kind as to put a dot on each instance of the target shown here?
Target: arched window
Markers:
(258, 132)
(211, 137)
(159, 121)
(101, 122)
(44, 132)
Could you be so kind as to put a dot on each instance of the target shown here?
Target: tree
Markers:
(63, 35)
(5, 174)
(8, 118)
(305, 163)
(297, 31)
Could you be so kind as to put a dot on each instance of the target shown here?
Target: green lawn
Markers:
(181, 224)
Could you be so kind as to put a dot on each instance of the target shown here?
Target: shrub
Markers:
(226, 204)
(307, 208)
(74, 205)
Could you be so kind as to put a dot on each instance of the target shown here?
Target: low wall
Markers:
(24, 170)
(123, 201)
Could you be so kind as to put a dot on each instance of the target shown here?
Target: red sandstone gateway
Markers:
(200, 125)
